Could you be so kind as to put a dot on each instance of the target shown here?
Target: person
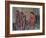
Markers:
(17, 17)
(17, 20)
(22, 21)
(32, 20)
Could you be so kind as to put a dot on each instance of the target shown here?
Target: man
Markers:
(22, 21)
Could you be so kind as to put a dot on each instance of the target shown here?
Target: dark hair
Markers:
(17, 10)
(22, 13)
(32, 13)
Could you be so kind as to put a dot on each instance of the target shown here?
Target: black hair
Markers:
(17, 10)
(32, 13)
(22, 13)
